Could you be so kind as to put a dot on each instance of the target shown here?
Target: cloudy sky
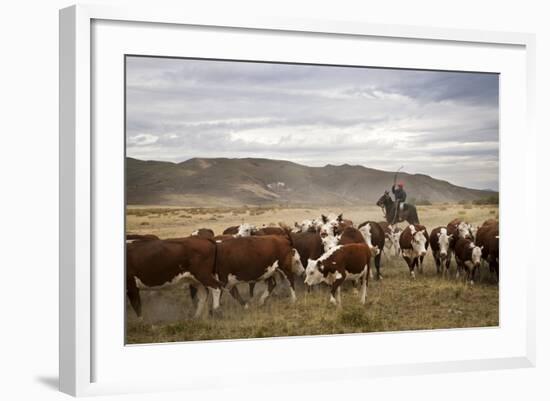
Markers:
(443, 124)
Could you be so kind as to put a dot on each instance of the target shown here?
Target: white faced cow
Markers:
(245, 230)
(440, 242)
(393, 237)
(460, 229)
(414, 245)
(327, 231)
(468, 258)
(343, 262)
(392, 233)
(305, 226)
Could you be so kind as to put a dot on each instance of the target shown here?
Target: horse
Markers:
(408, 212)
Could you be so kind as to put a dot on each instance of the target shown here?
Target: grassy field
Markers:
(394, 303)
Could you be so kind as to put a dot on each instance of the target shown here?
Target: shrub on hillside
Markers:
(489, 200)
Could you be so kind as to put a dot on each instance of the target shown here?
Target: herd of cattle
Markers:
(327, 250)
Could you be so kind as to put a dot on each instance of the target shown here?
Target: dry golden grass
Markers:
(393, 304)
(172, 222)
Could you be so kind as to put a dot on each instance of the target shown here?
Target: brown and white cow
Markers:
(253, 259)
(468, 258)
(243, 230)
(351, 235)
(375, 238)
(460, 229)
(331, 218)
(157, 264)
(203, 233)
(328, 218)
(342, 224)
(231, 230)
(488, 238)
(337, 222)
(309, 246)
(327, 231)
(306, 225)
(343, 262)
(414, 243)
(219, 239)
(392, 233)
(440, 242)
(246, 230)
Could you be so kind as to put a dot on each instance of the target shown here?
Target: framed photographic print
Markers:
(260, 189)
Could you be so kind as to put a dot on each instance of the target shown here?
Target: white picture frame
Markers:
(81, 212)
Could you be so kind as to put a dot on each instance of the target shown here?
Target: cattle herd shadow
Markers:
(175, 304)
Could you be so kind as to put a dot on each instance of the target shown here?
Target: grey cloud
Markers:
(177, 109)
(477, 88)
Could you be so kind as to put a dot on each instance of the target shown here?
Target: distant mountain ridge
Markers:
(254, 181)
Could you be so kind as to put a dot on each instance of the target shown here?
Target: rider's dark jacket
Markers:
(400, 194)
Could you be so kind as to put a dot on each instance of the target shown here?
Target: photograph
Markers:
(271, 199)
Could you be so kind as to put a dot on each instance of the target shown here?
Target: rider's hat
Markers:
(400, 184)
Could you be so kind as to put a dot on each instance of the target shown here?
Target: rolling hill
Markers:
(250, 181)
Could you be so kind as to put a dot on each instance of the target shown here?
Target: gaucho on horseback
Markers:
(400, 198)
(397, 211)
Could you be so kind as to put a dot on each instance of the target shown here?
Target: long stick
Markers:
(395, 175)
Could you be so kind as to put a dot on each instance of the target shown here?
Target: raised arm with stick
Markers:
(399, 194)
(396, 210)
(395, 176)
